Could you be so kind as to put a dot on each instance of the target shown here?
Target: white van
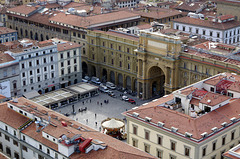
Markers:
(103, 89)
(110, 85)
(95, 80)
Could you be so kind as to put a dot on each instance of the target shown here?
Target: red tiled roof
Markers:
(23, 9)
(115, 148)
(86, 22)
(212, 99)
(192, 6)
(5, 58)
(158, 14)
(225, 17)
(235, 87)
(208, 23)
(188, 90)
(10, 117)
(2, 96)
(214, 81)
(195, 101)
(119, 34)
(185, 123)
(4, 30)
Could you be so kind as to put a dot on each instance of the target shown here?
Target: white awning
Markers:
(31, 94)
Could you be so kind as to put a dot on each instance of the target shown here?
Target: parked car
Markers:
(125, 98)
(131, 101)
(103, 89)
(86, 79)
(111, 94)
(95, 80)
(110, 85)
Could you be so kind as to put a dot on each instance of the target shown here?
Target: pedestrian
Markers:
(100, 128)
(107, 101)
(90, 100)
(85, 108)
(79, 110)
(83, 102)
(77, 119)
(87, 120)
(96, 123)
(101, 104)
(95, 115)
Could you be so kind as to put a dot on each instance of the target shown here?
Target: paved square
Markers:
(113, 109)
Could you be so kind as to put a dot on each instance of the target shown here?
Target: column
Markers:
(124, 81)
(116, 78)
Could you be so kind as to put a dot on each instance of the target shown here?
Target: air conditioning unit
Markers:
(148, 119)
(205, 134)
(174, 129)
(224, 124)
(187, 134)
(214, 129)
(135, 114)
(233, 119)
(160, 124)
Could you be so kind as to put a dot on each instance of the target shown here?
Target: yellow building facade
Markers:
(158, 65)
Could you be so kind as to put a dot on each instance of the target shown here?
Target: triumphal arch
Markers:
(157, 58)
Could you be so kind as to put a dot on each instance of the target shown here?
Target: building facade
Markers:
(7, 35)
(197, 121)
(29, 130)
(222, 29)
(159, 66)
(226, 7)
(69, 63)
(111, 57)
(9, 76)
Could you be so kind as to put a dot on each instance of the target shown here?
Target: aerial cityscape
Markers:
(119, 79)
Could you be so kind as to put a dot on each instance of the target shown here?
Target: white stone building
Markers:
(221, 29)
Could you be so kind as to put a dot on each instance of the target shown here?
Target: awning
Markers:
(63, 82)
(31, 94)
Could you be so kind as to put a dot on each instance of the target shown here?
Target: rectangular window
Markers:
(37, 62)
(218, 34)
(232, 135)
(24, 148)
(62, 64)
(23, 66)
(204, 32)
(75, 60)
(212, 89)
(30, 64)
(52, 75)
(223, 140)
(146, 148)
(51, 58)
(75, 68)
(44, 60)
(40, 147)
(61, 56)
(74, 52)
(135, 130)
(23, 74)
(159, 140)
(159, 154)
(45, 68)
(45, 77)
(214, 146)
(15, 143)
(173, 146)
(7, 138)
(187, 151)
(51, 67)
(68, 54)
(147, 135)
(83, 36)
(197, 31)
(68, 62)
(31, 73)
(183, 28)
(203, 152)
(38, 70)
(190, 29)
(177, 27)
(211, 33)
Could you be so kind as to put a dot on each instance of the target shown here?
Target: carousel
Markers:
(114, 127)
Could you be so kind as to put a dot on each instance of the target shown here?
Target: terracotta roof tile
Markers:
(119, 34)
(185, 123)
(5, 58)
(7, 115)
(212, 99)
(115, 149)
(23, 9)
(208, 23)
(4, 30)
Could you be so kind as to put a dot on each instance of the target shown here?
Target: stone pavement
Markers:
(113, 109)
